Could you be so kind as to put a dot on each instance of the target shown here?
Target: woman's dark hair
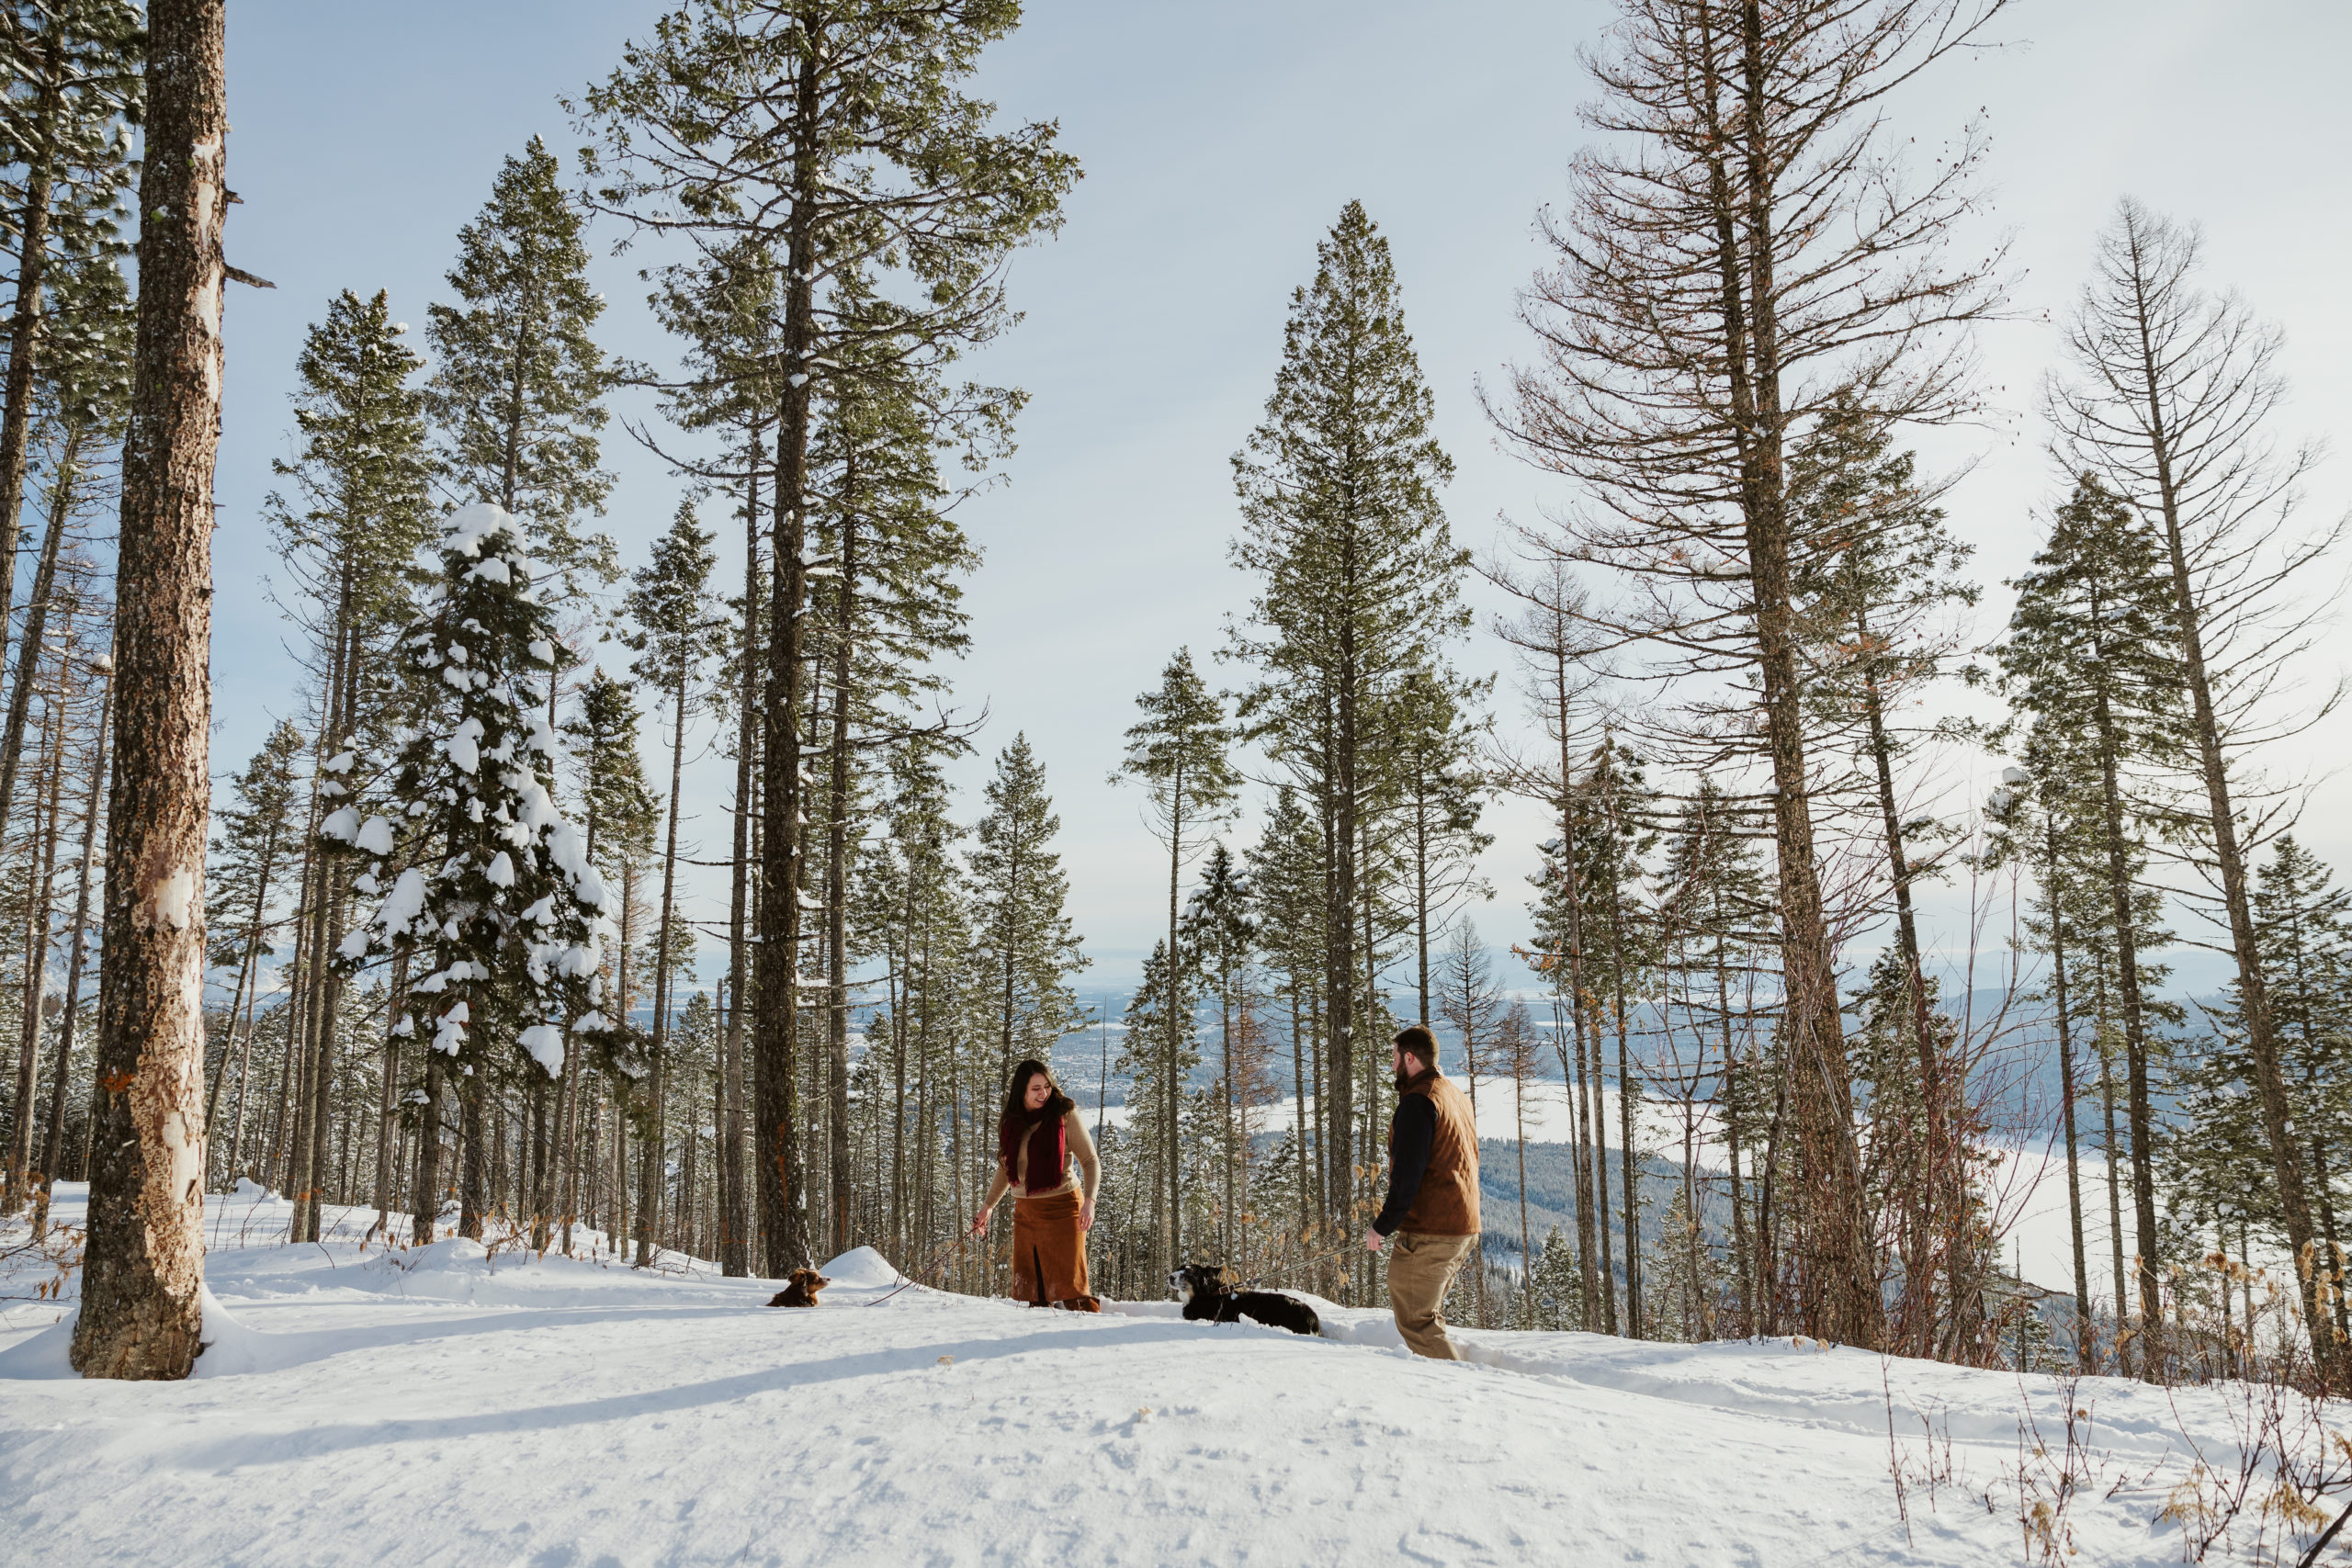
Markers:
(1016, 1108)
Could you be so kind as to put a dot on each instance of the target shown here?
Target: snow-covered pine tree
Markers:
(502, 916)
(517, 394)
(347, 535)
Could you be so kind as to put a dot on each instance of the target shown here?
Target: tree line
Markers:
(456, 983)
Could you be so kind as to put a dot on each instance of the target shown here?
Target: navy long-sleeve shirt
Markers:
(1412, 1128)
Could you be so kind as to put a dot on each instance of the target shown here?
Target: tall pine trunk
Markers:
(143, 1260)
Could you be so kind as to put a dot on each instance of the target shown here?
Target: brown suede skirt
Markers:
(1048, 1250)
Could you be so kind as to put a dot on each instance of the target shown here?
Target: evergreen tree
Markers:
(678, 636)
(1219, 929)
(256, 842)
(74, 67)
(1024, 948)
(1179, 751)
(835, 139)
(1437, 787)
(1161, 1010)
(2090, 647)
(518, 392)
(1876, 579)
(2221, 1163)
(1285, 872)
(1359, 585)
(358, 514)
(1555, 1297)
(503, 914)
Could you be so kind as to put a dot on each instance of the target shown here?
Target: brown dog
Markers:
(800, 1291)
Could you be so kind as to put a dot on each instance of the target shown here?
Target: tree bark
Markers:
(837, 864)
(54, 1143)
(784, 1230)
(143, 1271)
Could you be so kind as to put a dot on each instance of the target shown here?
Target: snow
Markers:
(464, 746)
(406, 902)
(500, 872)
(510, 1408)
(470, 528)
(375, 837)
(342, 825)
(545, 1043)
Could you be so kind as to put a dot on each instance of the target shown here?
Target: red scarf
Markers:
(1048, 1153)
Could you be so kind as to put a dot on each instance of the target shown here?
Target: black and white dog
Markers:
(1213, 1299)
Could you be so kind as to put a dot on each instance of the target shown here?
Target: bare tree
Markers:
(1740, 251)
(2171, 401)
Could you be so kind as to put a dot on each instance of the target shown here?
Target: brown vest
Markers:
(1447, 1204)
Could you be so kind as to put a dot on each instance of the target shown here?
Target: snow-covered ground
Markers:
(438, 1406)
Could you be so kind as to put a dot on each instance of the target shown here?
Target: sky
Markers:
(1220, 141)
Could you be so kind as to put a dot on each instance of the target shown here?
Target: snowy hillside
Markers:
(439, 1407)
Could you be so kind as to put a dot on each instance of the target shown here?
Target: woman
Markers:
(1035, 1138)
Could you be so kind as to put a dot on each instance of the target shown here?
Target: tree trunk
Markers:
(30, 646)
(837, 865)
(54, 1145)
(2254, 995)
(2083, 1356)
(143, 1270)
(2135, 1046)
(42, 870)
(784, 1232)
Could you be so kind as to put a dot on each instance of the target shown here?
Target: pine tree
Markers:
(1026, 948)
(81, 396)
(1360, 584)
(677, 636)
(1286, 872)
(1876, 580)
(1219, 929)
(2090, 647)
(144, 1258)
(503, 911)
(1179, 751)
(517, 394)
(257, 841)
(2221, 1163)
(1437, 787)
(358, 515)
(74, 66)
(877, 165)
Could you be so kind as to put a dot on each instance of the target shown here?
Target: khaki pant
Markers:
(1420, 1270)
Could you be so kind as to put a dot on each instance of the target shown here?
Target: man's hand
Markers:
(1372, 1240)
(980, 1221)
(1086, 1215)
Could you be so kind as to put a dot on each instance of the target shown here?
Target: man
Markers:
(1432, 1208)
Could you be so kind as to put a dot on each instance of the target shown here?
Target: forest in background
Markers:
(457, 979)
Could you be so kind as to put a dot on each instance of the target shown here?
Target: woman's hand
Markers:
(981, 1221)
(1086, 1215)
